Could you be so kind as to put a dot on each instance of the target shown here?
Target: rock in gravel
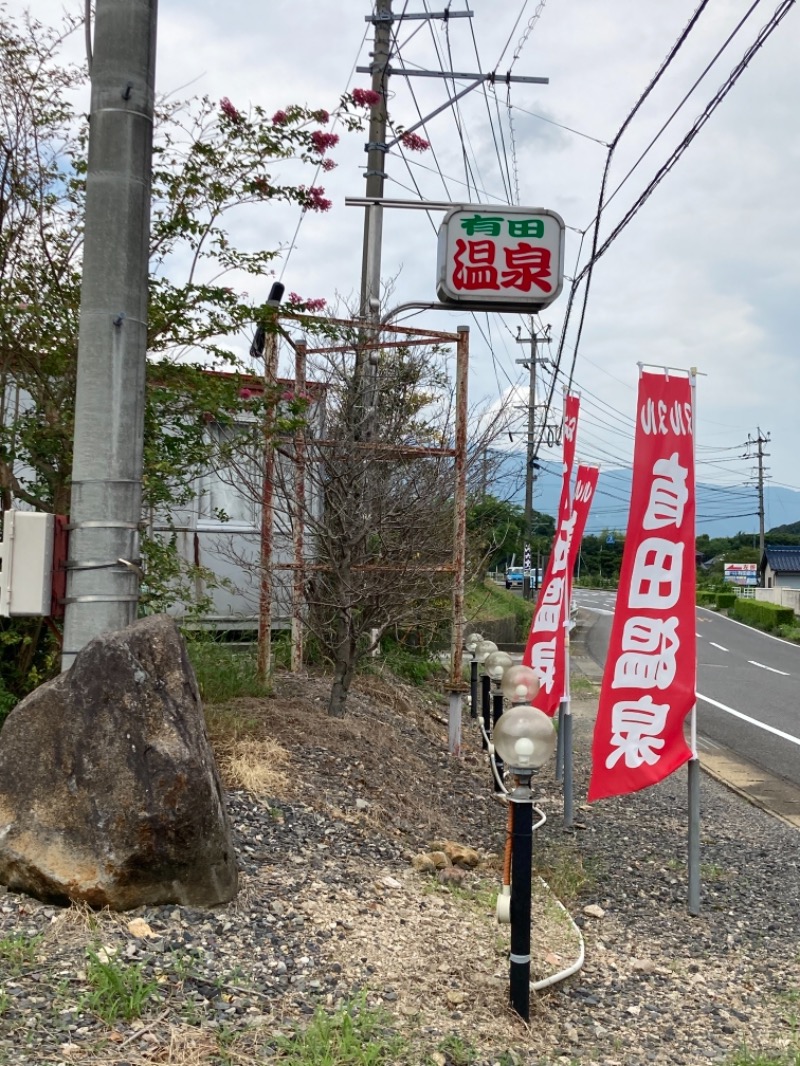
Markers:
(109, 793)
(594, 911)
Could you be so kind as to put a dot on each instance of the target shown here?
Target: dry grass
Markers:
(258, 765)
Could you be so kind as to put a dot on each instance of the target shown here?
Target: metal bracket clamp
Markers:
(100, 523)
(377, 146)
(101, 599)
(94, 564)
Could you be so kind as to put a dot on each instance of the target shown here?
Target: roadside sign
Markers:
(504, 258)
(526, 560)
(741, 573)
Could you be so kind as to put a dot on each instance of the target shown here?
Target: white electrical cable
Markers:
(562, 975)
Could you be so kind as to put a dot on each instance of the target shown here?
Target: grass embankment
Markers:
(487, 603)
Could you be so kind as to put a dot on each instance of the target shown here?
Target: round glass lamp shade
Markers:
(472, 642)
(524, 738)
(520, 684)
(496, 664)
(485, 648)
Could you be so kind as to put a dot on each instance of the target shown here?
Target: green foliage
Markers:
(790, 632)
(355, 1035)
(725, 600)
(600, 561)
(409, 661)
(457, 1051)
(18, 951)
(224, 671)
(746, 1057)
(118, 990)
(29, 655)
(486, 602)
(496, 533)
(767, 616)
(706, 598)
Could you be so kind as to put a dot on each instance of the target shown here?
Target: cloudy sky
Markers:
(707, 272)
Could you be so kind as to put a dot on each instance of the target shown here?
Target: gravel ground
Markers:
(331, 907)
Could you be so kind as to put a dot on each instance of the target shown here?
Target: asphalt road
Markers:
(748, 686)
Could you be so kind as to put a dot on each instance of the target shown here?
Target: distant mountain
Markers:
(721, 512)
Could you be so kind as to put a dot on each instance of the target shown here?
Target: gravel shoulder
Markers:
(331, 909)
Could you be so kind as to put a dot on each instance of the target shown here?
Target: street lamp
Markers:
(496, 664)
(524, 738)
(470, 644)
(482, 651)
(520, 684)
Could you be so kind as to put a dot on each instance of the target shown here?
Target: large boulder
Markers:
(109, 793)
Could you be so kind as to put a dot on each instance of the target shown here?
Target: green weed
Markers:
(117, 990)
(457, 1051)
(564, 870)
(355, 1035)
(225, 671)
(18, 951)
(765, 1058)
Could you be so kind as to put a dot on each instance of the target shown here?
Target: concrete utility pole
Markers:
(376, 163)
(530, 453)
(759, 443)
(103, 565)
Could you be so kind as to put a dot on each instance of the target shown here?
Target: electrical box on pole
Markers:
(26, 563)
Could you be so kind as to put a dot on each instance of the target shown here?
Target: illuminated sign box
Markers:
(500, 259)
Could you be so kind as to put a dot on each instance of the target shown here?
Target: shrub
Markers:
(706, 597)
(768, 616)
(726, 600)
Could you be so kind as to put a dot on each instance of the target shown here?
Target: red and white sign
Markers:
(650, 673)
(508, 257)
(545, 649)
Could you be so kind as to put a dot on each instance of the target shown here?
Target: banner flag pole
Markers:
(693, 766)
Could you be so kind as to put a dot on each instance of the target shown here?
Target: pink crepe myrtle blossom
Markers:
(321, 115)
(414, 142)
(261, 185)
(329, 164)
(322, 141)
(365, 97)
(316, 198)
(227, 108)
(317, 303)
(245, 394)
(280, 118)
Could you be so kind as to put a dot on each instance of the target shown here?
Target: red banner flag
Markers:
(649, 678)
(544, 651)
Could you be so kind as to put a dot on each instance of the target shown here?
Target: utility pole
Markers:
(530, 587)
(106, 509)
(376, 162)
(758, 442)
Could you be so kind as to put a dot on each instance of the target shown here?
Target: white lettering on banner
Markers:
(658, 418)
(543, 661)
(657, 571)
(636, 726)
(570, 425)
(668, 494)
(561, 547)
(583, 492)
(649, 648)
(548, 614)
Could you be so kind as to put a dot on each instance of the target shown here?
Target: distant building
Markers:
(780, 566)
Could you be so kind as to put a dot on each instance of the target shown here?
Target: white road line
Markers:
(752, 721)
(597, 610)
(704, 742)
(770, 668)
(713, 645)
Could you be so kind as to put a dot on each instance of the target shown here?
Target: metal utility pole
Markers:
(103, 565)
(759, 443)
(530, 456)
